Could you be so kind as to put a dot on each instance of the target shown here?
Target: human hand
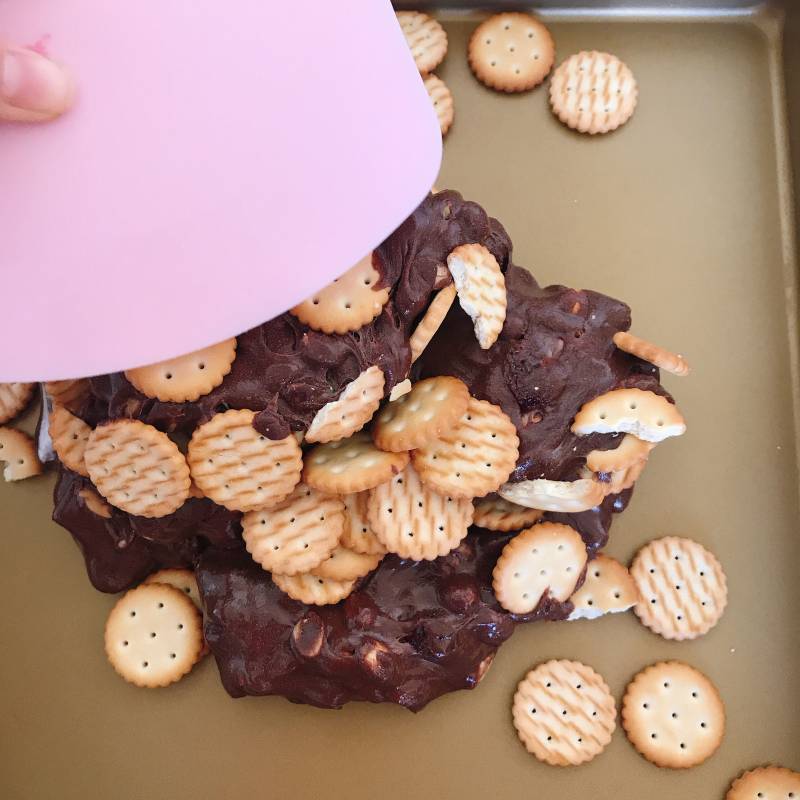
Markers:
(32, 87)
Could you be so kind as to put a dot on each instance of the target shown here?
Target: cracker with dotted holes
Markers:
(567, 497)
(473, 457)
(607, 589)
(481, 289)
(69, 435)
(766, 783)
(641, 348)
(442, 101)
(185, 581)
(137, 468)
(240, 468)
(153, 635)
(682, 587)
(564, 713)
(511, 52)
(415, 522)
(593, 92)
(646, 415)
(351, 410)
(546, 559)
(344, 564)
(13, 399)
(351, 465)
(404, 387)
(312, 589)
(630, 451)
(296, 535)
(432, 319)
(433, 406)
(673, 715)
(498, 514)
(347, 304)
(426, 39)
(186, 378)
(92, 500)
(18, 451)
(68, 393)
(358, 536)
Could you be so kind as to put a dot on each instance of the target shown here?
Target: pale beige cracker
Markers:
(154, 635)
(547, 559)
(607, 589)
(673, 715)
(347, 304)
(415, 522)
(296, 535)
(682, 587)
(18, 451)
(351, 465)
(432, 407)
(137, 468)
(442, 101)
(312, 589)
(511, 52)
(13, 399)
(766, 783)
(94, 502)
(646, 415)
(68, 393)
(564, 713)
(647, 351)
(351, 410)
(404, 387)
(630, 451)
(498, 514)
(185, 581)
(426, 39)
(69, 435)
(481, 289)
(431, 320)
(358, 536)
(472, 458)
(567, 497)
(240, 468)
(622, 479)
(344, 564)
(593, 92)
(185, 378)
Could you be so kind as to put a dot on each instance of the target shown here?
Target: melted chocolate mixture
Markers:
(412, 630)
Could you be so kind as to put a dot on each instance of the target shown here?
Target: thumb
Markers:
(32, 88)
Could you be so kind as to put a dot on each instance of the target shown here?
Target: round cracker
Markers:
(682, 587)
(312, 589)
(240, 468)
(647, 351)
(472, 458)
(69, 435)
(433, 406)
(566, 497)
(18, 451)
(348, 303)
(607, 589)
(442, 101)
(344, 564)
(351, 410)
(629, 452)
(350, 465)
(593, 92)
(68, 393)
(296, 535)
(673, 715)
(137, 468)
(426, 39)
(182, 579)
(415, 522)
(153, 635)
(13, 399)
(498, 514)
(358, 535)
(511, 52)
(547, 559)
(766, 783)
(94, 502)
(564, 713)
(431, 320)
(186, 378)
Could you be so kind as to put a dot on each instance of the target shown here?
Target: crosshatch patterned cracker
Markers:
(426, 39)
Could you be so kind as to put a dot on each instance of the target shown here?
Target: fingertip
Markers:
(33, 88)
